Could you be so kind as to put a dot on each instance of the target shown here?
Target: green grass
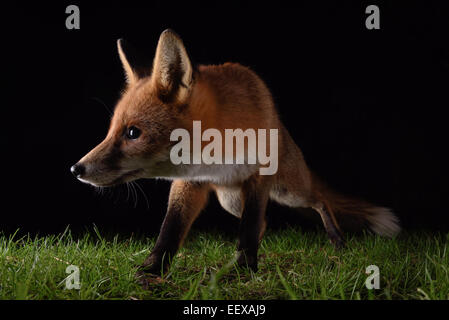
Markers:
(292, 265)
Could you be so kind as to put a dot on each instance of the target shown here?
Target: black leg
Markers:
(186, 201)
(252, 223)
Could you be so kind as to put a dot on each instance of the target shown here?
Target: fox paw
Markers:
(338, 242)
(245, 261)
(147, 276)
(147, 280)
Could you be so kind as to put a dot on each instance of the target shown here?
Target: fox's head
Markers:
(138, 143)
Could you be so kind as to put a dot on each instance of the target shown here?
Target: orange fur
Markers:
(227, 96)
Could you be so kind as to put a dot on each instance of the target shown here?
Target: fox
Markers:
(173, 94)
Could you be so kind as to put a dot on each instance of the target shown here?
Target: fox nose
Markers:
(78, 170)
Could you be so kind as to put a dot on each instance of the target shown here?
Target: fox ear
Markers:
(172, 69)
(130, 73)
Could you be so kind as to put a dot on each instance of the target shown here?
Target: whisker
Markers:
(135, 194)
(144, 195)
(103, 104)
(127, 189)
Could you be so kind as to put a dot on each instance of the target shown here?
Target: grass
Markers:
(292, 265)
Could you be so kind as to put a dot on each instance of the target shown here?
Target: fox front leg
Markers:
(186, 201)
(252, 224)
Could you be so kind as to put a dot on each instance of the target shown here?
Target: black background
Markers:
(367, 107)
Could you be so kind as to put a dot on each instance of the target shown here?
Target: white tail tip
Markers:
(383, 222)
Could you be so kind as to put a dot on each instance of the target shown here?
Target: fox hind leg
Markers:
(283, 195)
(330, 225)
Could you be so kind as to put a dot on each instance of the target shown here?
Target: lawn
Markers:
(292, 265)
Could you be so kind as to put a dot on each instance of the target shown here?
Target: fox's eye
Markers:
(133, 133)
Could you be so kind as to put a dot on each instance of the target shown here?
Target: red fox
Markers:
(227, 96)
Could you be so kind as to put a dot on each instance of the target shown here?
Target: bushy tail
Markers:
(354, 215)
